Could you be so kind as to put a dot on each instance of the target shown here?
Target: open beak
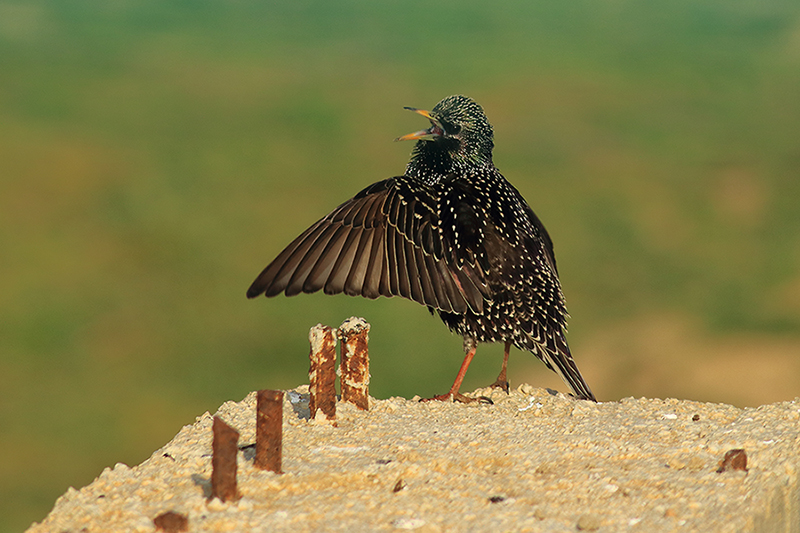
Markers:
(434, 132)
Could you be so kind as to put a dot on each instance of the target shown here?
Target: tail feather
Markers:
(563, 364)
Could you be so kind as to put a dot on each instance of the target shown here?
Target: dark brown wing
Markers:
(385, 241)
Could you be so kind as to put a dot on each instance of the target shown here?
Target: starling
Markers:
(450, 233)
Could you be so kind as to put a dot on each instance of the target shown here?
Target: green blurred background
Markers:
(154, 156)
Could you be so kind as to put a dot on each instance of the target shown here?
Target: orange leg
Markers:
(454, 394)
(502, 380)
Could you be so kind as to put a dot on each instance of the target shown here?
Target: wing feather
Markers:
(437, 283)
(341, 268)
(385, 241)
(372, 278)
(358, 271)
(274, 278)
(310, 257)
(429, 297)
(393, 261)
(411, 271)
(321, 270)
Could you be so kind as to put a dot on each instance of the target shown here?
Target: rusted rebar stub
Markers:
(322, 372)
(354, 334)
(223, 461)
(735, 459)
(171, 522)
(269, 430)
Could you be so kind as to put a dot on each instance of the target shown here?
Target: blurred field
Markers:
(155, 156)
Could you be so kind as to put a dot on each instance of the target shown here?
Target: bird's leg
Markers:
(502, 380)
(470, 346)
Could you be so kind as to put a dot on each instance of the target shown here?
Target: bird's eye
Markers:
(450, 128)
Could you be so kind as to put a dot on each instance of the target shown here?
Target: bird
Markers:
(450, 233)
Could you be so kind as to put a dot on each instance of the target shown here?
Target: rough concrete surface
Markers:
(531, 461)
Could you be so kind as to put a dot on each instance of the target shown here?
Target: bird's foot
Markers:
(449, 397)
(500, 384)
(457, 397)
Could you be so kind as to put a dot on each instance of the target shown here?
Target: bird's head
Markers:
(460, 137)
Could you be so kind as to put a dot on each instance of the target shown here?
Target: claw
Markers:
(458, 397)
(500, 384)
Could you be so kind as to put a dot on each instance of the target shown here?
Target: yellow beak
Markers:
(431, 133)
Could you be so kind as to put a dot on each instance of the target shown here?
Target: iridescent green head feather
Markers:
(460, 136)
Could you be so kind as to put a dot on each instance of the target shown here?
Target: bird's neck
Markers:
(432, 161)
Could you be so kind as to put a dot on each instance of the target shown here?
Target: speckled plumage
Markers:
(451, 234)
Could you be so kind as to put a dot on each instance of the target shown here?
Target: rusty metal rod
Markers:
(223, 461)
(171, 522)
(354, 334)
(735, 459)
(269, 430)
(322, 372)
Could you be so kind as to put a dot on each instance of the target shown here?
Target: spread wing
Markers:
(398, 237)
